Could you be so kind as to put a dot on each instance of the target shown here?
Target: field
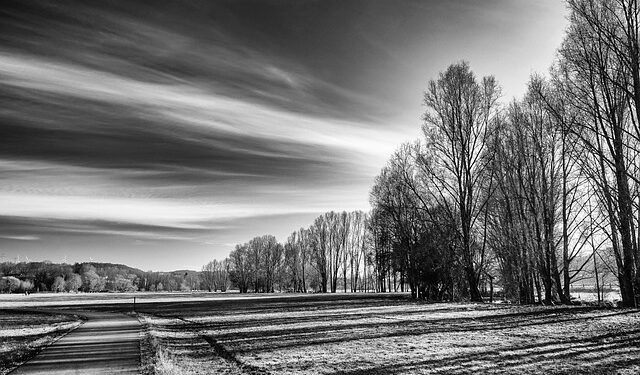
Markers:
(23, 333)
(382, 334)
(368, 334)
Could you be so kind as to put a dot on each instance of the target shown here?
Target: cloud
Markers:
(205, 231)
(20, 238)
(35, 228)
(193, 125)
(111, 147)
(120, 111)
(192, 44)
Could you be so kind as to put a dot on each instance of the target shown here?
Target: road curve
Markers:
(107, 343)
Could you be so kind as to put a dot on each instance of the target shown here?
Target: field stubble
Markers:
(24, 332)
(389, 334)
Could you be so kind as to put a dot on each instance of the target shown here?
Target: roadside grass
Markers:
(382, 334)
(174, 348)
(156, 359)
(24, 333)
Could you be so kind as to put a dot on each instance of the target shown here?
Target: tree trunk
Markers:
(474, 291)
(565, 223)
(595, 270)
(490, 289)
(625, 217)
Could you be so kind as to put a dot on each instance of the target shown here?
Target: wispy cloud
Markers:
(20, 238)
(195, 125)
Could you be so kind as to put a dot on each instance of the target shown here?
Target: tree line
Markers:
(328, 255)
(531, 193)
(529, 196)
(27, 277)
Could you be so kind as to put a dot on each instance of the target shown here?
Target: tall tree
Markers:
(598, 76)
(241, 269)
(319, 234)
(457, 128)
(208, 276)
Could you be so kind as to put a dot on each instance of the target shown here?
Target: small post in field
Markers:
(134, 304)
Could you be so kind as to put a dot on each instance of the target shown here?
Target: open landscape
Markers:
(359, 334)
(311, 187)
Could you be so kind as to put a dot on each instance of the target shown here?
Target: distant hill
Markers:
(94, 276)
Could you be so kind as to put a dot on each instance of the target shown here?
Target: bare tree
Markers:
(457, 128)
(208, 276)
(357, 244)
(598, 76)
(319, 236)
(240, 267)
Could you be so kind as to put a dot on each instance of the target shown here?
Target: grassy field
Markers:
(209, 333)
(23, 333)
(388, 334)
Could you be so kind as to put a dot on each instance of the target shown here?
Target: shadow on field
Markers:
(247, 336)
(598, 347)
(549, 339)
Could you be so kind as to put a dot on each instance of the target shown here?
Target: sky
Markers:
(159, 134)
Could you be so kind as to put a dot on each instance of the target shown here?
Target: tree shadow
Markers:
(549, 351)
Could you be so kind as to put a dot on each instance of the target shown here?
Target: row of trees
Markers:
(594, 95)
(11, 284)
(86, 277)
(92, 277)
(327, 255)
(531, 193)
(215, 275)
(340, 251)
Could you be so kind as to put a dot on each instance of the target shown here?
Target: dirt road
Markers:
(107, 343)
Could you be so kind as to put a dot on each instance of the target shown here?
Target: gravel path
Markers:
(107, 343)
